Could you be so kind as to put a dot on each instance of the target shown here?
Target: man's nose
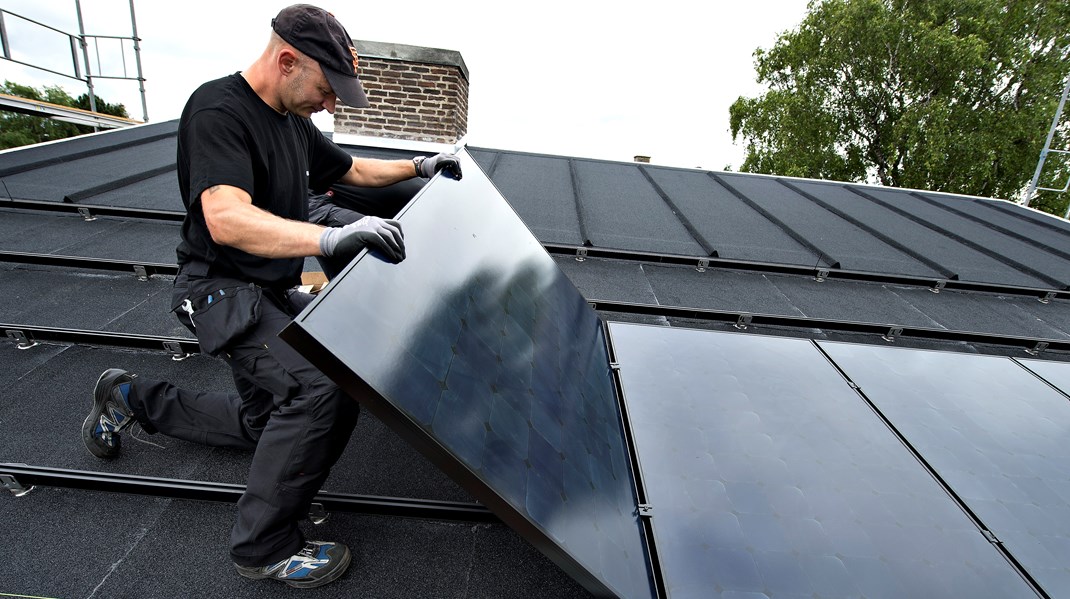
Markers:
(330, 103)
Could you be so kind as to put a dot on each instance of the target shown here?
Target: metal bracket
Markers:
(318, 514)
(176, 350)
(581, 254)
(939, 285)
(991, 538)
(88, 216)
(703, 264)
(822, 274)
(644, 510)
(614, 366)
(12, 484)
(892, 334)
(1039, 347)
(1047, 297)
(24, 342)
(141, 272)
(743, 322)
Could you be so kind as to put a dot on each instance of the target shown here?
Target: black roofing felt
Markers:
(795, 226)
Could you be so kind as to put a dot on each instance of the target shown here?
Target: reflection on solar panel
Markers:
(481, 353)
(770, 477)
(993, 432)
(1056, 373)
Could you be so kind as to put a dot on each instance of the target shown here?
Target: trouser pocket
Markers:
(222, 311)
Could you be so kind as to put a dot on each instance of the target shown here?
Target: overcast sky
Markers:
(601, 79)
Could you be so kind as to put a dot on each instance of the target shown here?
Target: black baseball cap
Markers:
(318, 34)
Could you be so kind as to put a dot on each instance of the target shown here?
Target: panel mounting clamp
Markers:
(703, 264)
(175, 349)
(141, 272)
(318, 514)
(24, 342)
(644, 510)
(13, 485)
(1039, 347)
(822, 274)
(1047, 297)
(743, 322)
(938, 286)
(581, 254)
(86, 214)
(892, 334)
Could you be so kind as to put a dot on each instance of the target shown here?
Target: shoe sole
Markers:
(100, 397)
(333, 576)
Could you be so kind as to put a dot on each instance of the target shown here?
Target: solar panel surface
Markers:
(770, 477)
(1056, 373)
(995, 433)
(480, 352)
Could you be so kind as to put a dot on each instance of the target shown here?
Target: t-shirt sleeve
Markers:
(328, 162)
(218, 153)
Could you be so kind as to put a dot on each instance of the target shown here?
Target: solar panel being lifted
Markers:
(768, 476)
(480, 353)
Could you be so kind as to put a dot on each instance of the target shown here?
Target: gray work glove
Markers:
(427, 167)
(381, 234)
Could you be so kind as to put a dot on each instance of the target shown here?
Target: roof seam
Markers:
(962, 240)
(581, 216)
(686, 222)
(940, 268)
(992, 226)
(821, 254)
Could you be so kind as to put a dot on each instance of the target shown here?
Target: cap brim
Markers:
(348, 89)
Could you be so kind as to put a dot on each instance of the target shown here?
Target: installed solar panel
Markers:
(769, 476)
(1056, 373)
(994, 432)
(479, 351)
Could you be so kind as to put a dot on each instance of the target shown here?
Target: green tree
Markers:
(21, 129)
(947, 95)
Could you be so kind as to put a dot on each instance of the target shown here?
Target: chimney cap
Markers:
(405, 52)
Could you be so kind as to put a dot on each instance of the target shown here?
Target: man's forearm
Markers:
(367, 172)
(241, 225)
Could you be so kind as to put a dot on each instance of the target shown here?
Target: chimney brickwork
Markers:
(418, 94)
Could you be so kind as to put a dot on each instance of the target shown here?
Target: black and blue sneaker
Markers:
(318, 563)
(110, 414)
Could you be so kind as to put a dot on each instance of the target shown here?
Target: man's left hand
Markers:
(427, 167)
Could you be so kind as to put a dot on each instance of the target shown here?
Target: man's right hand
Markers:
(347, 241)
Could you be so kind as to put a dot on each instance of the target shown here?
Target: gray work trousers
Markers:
(289, 413)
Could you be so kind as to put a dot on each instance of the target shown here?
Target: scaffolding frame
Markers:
(80, 43)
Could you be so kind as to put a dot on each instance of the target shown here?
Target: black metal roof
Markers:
(80, 219)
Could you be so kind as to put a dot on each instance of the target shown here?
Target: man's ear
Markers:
(287, 61)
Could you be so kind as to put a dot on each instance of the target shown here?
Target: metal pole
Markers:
(137, 56)
(1047, 145)
(85, 54)
(3, 37)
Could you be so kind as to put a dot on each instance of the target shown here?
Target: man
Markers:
(247, 156)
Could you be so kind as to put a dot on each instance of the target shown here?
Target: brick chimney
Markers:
(416, 93)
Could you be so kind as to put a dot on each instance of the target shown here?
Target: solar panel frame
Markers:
(319, 343)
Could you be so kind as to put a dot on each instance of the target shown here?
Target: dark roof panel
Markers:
(621, 210)
(851, 247)
(716, 214)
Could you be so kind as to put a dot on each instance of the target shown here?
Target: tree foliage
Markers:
(947, 95)
(21, 129)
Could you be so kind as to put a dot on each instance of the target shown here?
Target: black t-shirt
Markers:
(228, 136)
